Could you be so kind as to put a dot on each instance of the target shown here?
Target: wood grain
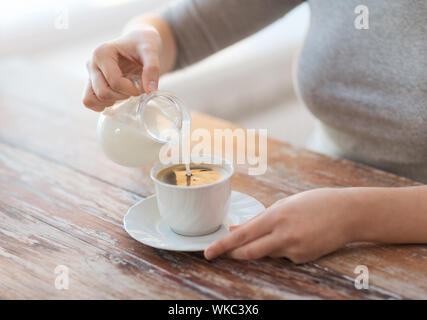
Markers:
(92, 211)
(31, 250)
(54, 174)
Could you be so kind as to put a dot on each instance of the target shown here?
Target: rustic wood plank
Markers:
(7, 293)
(62, 131)
(92, 211)
(31, 250)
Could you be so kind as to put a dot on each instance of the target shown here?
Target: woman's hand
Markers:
(114, 63)
(302, 227)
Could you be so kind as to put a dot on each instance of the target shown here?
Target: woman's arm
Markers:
(182, 34)
(390, 215)
(308, 225)
(203, 27)
(191, 30)
(168, 50)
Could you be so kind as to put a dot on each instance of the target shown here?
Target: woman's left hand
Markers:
(302, 227)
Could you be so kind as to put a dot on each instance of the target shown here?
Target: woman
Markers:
(367, 87)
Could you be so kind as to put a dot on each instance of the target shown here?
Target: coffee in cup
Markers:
(195, 205)
(200, 174)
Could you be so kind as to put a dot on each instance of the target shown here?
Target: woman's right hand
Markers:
(113, 64)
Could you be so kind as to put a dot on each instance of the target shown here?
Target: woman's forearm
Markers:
(203, 27)
(169, 49)
(389, 215)
(313, 223)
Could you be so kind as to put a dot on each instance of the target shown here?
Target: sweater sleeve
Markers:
(203, 27)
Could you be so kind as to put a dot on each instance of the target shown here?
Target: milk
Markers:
(128, 141)
(126, 145)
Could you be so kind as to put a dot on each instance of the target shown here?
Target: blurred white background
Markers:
(249, 83)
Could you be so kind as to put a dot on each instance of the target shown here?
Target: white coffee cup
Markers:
(195, 210)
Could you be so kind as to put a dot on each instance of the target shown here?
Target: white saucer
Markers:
(144, 224)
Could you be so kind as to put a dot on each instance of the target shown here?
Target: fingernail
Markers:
(209, 254)
(152, 85)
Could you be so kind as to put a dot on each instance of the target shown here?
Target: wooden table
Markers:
(62, 203)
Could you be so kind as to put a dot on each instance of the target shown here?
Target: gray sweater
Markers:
(367, 87)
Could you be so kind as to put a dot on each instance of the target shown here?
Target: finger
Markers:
(151, 68)
(101, 88)
(277, 253)
(232, 228)
(256, 249)
(91, 101)
(247, 232)
(115, 79)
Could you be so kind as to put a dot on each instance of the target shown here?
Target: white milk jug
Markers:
(131, 132)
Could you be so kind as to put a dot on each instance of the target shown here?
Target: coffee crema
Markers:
(201, 174)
